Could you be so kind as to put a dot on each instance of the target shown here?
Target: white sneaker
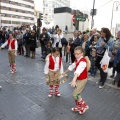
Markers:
(10, 70)
(13, 71)
(0, 87)
(100, 87)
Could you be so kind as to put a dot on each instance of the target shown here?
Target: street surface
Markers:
(24, 95)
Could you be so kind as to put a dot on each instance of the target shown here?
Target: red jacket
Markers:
(83, 75)
(52, 63)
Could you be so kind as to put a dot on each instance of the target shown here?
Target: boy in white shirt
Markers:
(79, 80)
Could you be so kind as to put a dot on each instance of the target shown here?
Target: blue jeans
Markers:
(93, 71)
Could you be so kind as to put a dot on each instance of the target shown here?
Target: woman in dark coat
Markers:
(33, 43)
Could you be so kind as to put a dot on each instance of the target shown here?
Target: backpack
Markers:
(88, 63)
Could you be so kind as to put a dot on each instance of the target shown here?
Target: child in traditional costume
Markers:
(12, 51)
(80, 78)
(53, 69)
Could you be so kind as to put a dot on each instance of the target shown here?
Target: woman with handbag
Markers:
(105, 41)
(57, 41)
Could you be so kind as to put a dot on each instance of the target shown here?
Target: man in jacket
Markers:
(26, 38)
(75, 41)
(44, 38)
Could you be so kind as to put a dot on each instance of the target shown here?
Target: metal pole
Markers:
(112, 17)
(93, 14)
(113, 12)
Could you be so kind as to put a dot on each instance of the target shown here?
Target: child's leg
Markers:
(10, 60)
(13, 62)
(56, 90)
(51, 91)
(81, 106)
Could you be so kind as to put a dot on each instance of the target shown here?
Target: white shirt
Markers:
(9, 47)
(57, 38)
(80, 68)
(56, 67)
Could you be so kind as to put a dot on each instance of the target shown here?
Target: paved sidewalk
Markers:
(24, 95)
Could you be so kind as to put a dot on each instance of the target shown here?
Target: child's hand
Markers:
(73, 83)
(63, 73)
(46, 75)
(15, 53)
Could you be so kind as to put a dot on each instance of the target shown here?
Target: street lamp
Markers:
(92, 22)
(117, 4)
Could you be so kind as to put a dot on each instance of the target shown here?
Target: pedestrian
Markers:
(74, 43)
(12, 51)
(66, 29)
(105, 42)
(33, 43)
(117, 68)
(68, 54)
(80, 79)
(26, 38)
(19, 38)
(93, 58)
(48, 49)
(53, 68)
(44, 38)
(57, 41)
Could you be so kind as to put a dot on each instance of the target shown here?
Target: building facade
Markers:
(48, 8)
(16, 12)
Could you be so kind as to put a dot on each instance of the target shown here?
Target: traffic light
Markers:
(41, 16)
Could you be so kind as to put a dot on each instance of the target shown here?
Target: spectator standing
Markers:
(26, 38)
(86, 45)
(74, 43)
(105, 42)
(19, 38)
(117, 67)
(66, 29)
(93, 69)
(68, 54)
(44, 38)
(57, 40)
(114, 52)
(33, 43)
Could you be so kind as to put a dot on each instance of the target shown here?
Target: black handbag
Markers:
(110, 64)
